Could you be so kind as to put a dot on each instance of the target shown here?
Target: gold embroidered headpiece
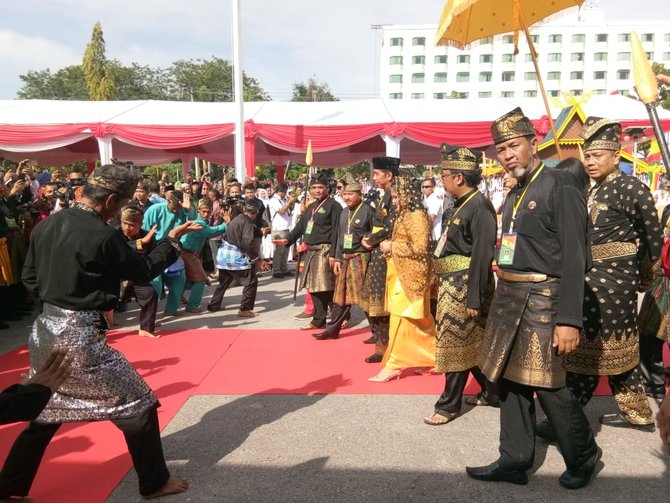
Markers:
(124, 185)
(511, 125)
(131, 214)
(601, 134)
(351, 185)
(459, 158)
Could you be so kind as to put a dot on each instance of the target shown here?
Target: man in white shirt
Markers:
(433, 205)
(281, 210)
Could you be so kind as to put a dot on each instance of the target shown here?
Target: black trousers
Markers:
(142, 436)
(321, 301)
(379, 326)
(517, 426)
(247, 279)
(651, 366)
(147, 298)
(338, 315)
(451, 399)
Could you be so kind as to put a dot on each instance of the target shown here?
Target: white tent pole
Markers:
(240, 165)
(105, 149)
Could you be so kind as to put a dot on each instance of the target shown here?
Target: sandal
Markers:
(438, 419)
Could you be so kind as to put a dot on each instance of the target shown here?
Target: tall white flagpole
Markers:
(240, 166)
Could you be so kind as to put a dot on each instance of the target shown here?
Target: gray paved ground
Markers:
(350, 448)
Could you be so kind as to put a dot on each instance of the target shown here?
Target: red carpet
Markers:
(86, 462)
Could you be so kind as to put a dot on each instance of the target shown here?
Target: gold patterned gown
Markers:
(412, 327)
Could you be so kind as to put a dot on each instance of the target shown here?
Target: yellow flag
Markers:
(645, 80)
(309, 157)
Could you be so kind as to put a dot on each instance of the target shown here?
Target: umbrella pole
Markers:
(533, 55)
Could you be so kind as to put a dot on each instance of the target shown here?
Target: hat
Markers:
(511, 125)
(131, 214)
(351, 185)
(391, 164)
(107, 177)
(601, 134)
(459, 158)
(319, 178)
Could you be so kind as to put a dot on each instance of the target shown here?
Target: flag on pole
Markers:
(645, 80)
(309, 157)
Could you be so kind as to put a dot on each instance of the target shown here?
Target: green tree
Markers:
(99, 81)
(67, 83)
(664, 91)
(312, 90)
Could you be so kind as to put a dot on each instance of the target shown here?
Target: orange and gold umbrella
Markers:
(464, 21)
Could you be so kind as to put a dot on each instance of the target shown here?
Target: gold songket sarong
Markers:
(317, 275)
(349, 282)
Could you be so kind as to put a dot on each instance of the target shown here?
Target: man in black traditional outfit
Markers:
(384, 169)
(351, 259)
(463, 257)
(536, 311)
(318, 226)
(626, 240)
(74, 265)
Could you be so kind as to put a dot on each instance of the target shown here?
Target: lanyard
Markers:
(517, 205)
(317, 209)
(461, 206)
(350, 219)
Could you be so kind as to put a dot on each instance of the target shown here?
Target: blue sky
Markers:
(283, 41)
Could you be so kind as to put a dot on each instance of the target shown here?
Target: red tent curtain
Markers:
(324, 138)
(166, 137)
(40, 134)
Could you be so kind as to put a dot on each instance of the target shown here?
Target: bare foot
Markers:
(144, 333)
(174, 485)
(436, 419)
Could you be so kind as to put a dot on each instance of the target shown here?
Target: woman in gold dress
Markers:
(408, 276)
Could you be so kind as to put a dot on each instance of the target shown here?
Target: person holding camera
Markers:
(281, 213)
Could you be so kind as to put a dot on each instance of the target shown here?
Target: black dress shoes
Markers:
(580, 478)
(494, 473)
(370, 340)
(619, 421)
(374, 358)
(322, 336)
(545, 431)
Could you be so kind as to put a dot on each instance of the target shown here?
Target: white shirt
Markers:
(433, 205)
(279, 222)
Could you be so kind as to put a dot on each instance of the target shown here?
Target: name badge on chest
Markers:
(310, 225)
(507, 246)
(439, 248)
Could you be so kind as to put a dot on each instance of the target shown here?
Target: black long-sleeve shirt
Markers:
(552, 236)
(75, 261)
(472, 233)
(325, 214)
(383, 221)
(23, 402)
(240, 233)
(362, 218)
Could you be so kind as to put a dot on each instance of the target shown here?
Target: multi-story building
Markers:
(578, 52)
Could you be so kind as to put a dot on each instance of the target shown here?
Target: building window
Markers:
(535, 38)
(441, 59)
(396, 42)
(578, 38)
(666, 38)
(463, 58)
(650, 55)
(463, 95)
(507, 94)
(485, 94)
(439, 96)
(528, 58)
(508, 58)
(555, 39)
(508, 39)
(554, 56)
(623, 74)
(395, 79)
(666, 56)
(623, 56)
(419, 41)
(486, 58)
(418, 78)
(485, 77)
(530, 76)
(599, 91)
(599, 75)
(647, 37)
(440, 77)
(487, 40)
(554, 76)
(577, 56)
(395, 96)
(507, 76)
(530, 94)
(600, 56)
(418, 60)
(396, 60)
(576, 92)
(553, 93)
(601, 37)
(576, 75)
(463, 77)
(417, 96)
(624, 37)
